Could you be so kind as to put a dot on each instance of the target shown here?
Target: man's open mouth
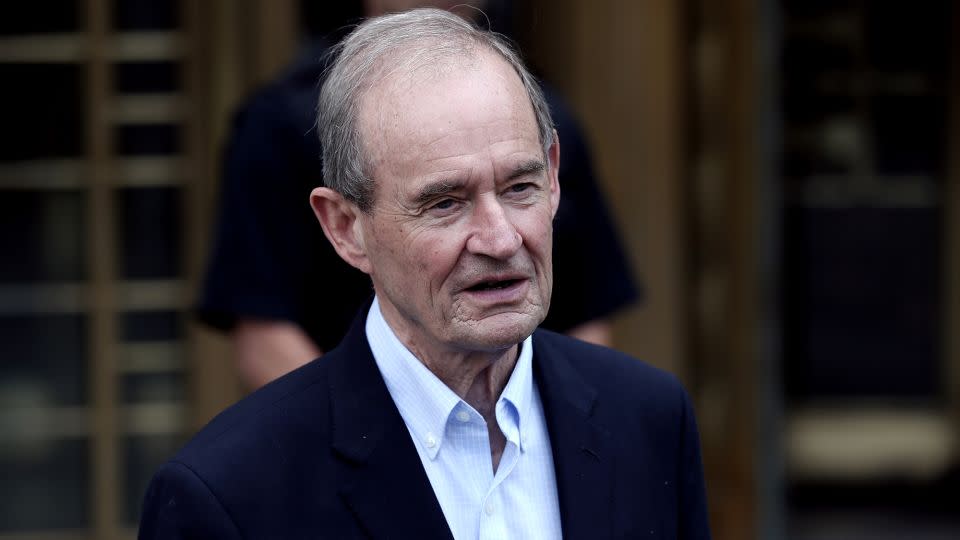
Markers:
(492, 285)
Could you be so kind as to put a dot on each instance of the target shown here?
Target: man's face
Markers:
(459, 237)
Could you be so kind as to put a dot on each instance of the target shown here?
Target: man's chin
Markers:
(501, 331)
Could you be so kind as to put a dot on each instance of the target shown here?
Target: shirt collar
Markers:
(426, 403)
(518, 393)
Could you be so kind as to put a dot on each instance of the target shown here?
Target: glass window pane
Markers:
(863, 247)
(145, 14)
(44, 360)
(42, 111)
(148, 230)
(144, 140)
(45, 484)
(40, 17)
(45, 231)
(147, 77)
(864, 297)
(154, 387)
(909, 134)
(151, 326)
(922, 36)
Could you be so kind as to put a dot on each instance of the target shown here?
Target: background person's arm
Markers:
(597, 331)
(265, 350)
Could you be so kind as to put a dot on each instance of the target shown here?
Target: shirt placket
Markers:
(493, 523)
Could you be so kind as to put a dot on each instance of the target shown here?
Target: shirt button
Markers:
(489, 509)
(431, 440)
(463, 416)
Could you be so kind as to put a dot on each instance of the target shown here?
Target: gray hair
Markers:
(378, 47)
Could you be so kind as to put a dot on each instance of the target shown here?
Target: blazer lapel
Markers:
(381, 477)
(583, 463)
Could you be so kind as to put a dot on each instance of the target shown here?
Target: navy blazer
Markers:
(323, 453)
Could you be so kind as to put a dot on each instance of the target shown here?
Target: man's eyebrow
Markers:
(431, 191)
(528, 167)
(434, 189)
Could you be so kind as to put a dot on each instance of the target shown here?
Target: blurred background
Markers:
(784, 175)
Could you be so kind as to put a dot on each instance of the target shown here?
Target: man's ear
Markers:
(553, 164)
(340, 221)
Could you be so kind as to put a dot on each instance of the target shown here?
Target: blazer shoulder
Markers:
(276, 412)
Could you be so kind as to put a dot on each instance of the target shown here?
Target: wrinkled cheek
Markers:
(439, 260)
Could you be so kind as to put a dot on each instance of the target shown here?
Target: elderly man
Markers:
(444, 412)
(268, 280)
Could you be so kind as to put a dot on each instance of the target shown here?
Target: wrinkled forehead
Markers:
(419, 61)
(386, 104)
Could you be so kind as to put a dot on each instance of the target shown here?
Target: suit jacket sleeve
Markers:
(179, 505)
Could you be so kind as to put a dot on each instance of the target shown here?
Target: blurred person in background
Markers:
(268, 281)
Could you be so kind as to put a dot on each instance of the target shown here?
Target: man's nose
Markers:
(494, 233)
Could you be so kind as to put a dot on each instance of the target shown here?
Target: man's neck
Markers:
(479, 380)
(477, 377)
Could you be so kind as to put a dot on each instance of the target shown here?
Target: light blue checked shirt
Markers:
(520, 500)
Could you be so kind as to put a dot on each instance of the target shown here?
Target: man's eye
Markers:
(443, 206)
(521, 187)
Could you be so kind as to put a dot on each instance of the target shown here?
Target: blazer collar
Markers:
(381, 477)
(581, 452)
